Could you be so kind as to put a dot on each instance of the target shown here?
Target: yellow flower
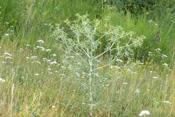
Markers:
(146, 63)
(73, 96)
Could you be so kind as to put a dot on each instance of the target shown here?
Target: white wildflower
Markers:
(49, 68)
(144, 112)
(2, 80)
(167, 102)
(54, 62)
(53, 106)
(48, 50)
(54, 55)
(62, 74)
(6, 34)
(40, 41)
(151, 21)
(38, 62)
(36, 74)
(48, 60)
(5, 53)
(44, 59)
(125, 83)
(8, 57)
(156, 24)
(130, 71)
(28, 45)
(42, 48)
(119, 60)
(33, 57)
(154, 77)
(137, 91)
(165, 64)
(3, 62)
(158, 49)
(163, 55)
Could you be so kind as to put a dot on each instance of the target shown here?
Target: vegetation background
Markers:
(34, 80)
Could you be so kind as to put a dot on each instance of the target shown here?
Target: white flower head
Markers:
(130, 71)
(119, 60)
(165, 64)
(158, 49)
(40, 41)
(2, 80)
(163, 55)
(48, 50)
(53, 106)
(28, 45)
(5, 53)
(54, 55)
(151, 21)
(154, 77)
(36, 74)
(3, 62)
(144, 112)
(137, 91)
(167, 102)
(49, 69)
(33, 57)
(6, 34)
(54, 62)
(8, 57)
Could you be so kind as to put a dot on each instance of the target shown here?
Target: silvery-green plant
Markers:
(80, 45)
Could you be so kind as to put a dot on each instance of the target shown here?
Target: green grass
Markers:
(57, 91)
(23, 93)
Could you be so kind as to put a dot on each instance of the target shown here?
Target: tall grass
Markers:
(36, 81)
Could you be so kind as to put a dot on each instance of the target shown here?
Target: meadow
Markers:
(87, 58)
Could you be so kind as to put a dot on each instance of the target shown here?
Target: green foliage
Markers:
(31, 19)
(137, 7)
(42, 76)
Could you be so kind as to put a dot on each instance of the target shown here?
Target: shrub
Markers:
(80, 46)
(138, 6)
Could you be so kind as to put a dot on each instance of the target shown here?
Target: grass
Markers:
(51, 94)
(38, 83)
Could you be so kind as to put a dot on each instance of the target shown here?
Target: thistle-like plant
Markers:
(81, 43)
